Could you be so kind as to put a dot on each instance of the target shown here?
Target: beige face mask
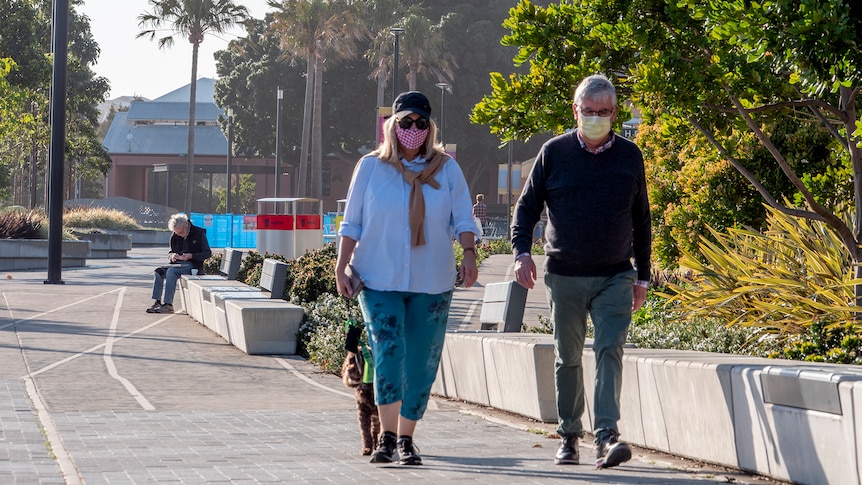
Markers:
(595, 127)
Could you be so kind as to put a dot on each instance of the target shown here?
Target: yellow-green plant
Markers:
(85, 217)
(780, 281)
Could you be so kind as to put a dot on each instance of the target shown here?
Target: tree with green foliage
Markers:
(250, 69)
(192, 19)
(25, 39)
(379, 17)
(724, 67)
(315, 30)
(425, 50)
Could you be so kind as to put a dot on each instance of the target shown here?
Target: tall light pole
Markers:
(509, 190)
(54, 187)
(279, 97)
(396, 31)
(227, 209)
(443, 88)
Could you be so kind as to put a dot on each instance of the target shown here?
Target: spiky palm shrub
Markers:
(780, 281)
(23, 224)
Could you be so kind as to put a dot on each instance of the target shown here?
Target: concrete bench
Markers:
(263, 327)
(272, 281)
(228, 270)
(790, 420)
(503, 306)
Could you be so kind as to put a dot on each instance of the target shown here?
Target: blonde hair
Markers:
(388, 148)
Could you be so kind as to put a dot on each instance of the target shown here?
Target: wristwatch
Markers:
(521, 255)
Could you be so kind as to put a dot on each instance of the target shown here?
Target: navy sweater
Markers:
(598, 209)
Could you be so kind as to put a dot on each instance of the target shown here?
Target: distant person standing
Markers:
(480, 214)
(594, 187)
(189, 250)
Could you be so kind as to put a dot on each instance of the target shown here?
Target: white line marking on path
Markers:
(467, 320)
(296, 373)
(67, 465)
(109, 360)
(68, 468)
(56, 309)
(95, 348)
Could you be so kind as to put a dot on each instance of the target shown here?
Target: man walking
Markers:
(593, 184)
(480, 215)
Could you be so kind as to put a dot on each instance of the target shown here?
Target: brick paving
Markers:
(94, 390)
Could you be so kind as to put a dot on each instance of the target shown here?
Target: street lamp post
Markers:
(278, 103)
(443, 88)
(229, 159)
(396, 31)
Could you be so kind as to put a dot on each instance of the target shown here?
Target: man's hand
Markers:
(638, 297)
(525, 272)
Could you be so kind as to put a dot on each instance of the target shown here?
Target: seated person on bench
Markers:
(189, 250)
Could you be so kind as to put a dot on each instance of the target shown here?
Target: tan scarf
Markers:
(417, 199)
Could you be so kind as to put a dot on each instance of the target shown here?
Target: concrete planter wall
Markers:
(794, 421)
(107, 245)
(145, 237)
(20, 254)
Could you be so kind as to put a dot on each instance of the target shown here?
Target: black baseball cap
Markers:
(411, 102)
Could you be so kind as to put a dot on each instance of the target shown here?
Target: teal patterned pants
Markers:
(406, 332)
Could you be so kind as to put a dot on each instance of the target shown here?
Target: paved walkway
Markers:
(94, 390)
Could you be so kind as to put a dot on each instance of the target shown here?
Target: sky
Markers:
(137, 66)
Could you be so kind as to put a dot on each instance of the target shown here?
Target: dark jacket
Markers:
(195, 243)
(598, 209)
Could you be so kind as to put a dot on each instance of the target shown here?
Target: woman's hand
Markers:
(469, 271)
(342, 283)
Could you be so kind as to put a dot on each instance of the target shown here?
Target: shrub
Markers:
(779, 281)
(312, 275)
(213, 264)
(655, 327)
(321, 334)
(21, 224)
(840, 345)
(86, 217)
(249, 270)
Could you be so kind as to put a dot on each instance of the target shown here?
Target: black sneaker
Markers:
(611, 452)
(154, 308)
(567, 453)
(408, 452)
(385, 452)
(165, 308)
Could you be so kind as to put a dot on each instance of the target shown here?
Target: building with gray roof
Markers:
(148, 147)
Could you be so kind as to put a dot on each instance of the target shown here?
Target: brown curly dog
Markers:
(369, 421)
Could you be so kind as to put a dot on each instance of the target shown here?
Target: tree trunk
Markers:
(381, 88)
(317, 132)
(190, 159)
(302, 185)
(34, 173)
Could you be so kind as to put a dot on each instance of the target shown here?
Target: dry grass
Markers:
(85, 217)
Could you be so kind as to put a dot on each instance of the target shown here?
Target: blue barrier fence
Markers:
(240, 230)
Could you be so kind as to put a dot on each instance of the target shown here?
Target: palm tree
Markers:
(423, 49)
(191, 19)
(315, 29)
(379, 18)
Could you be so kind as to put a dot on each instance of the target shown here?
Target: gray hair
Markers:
(595, 88)
(178, 220)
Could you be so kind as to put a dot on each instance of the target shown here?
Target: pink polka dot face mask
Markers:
(411, 139)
